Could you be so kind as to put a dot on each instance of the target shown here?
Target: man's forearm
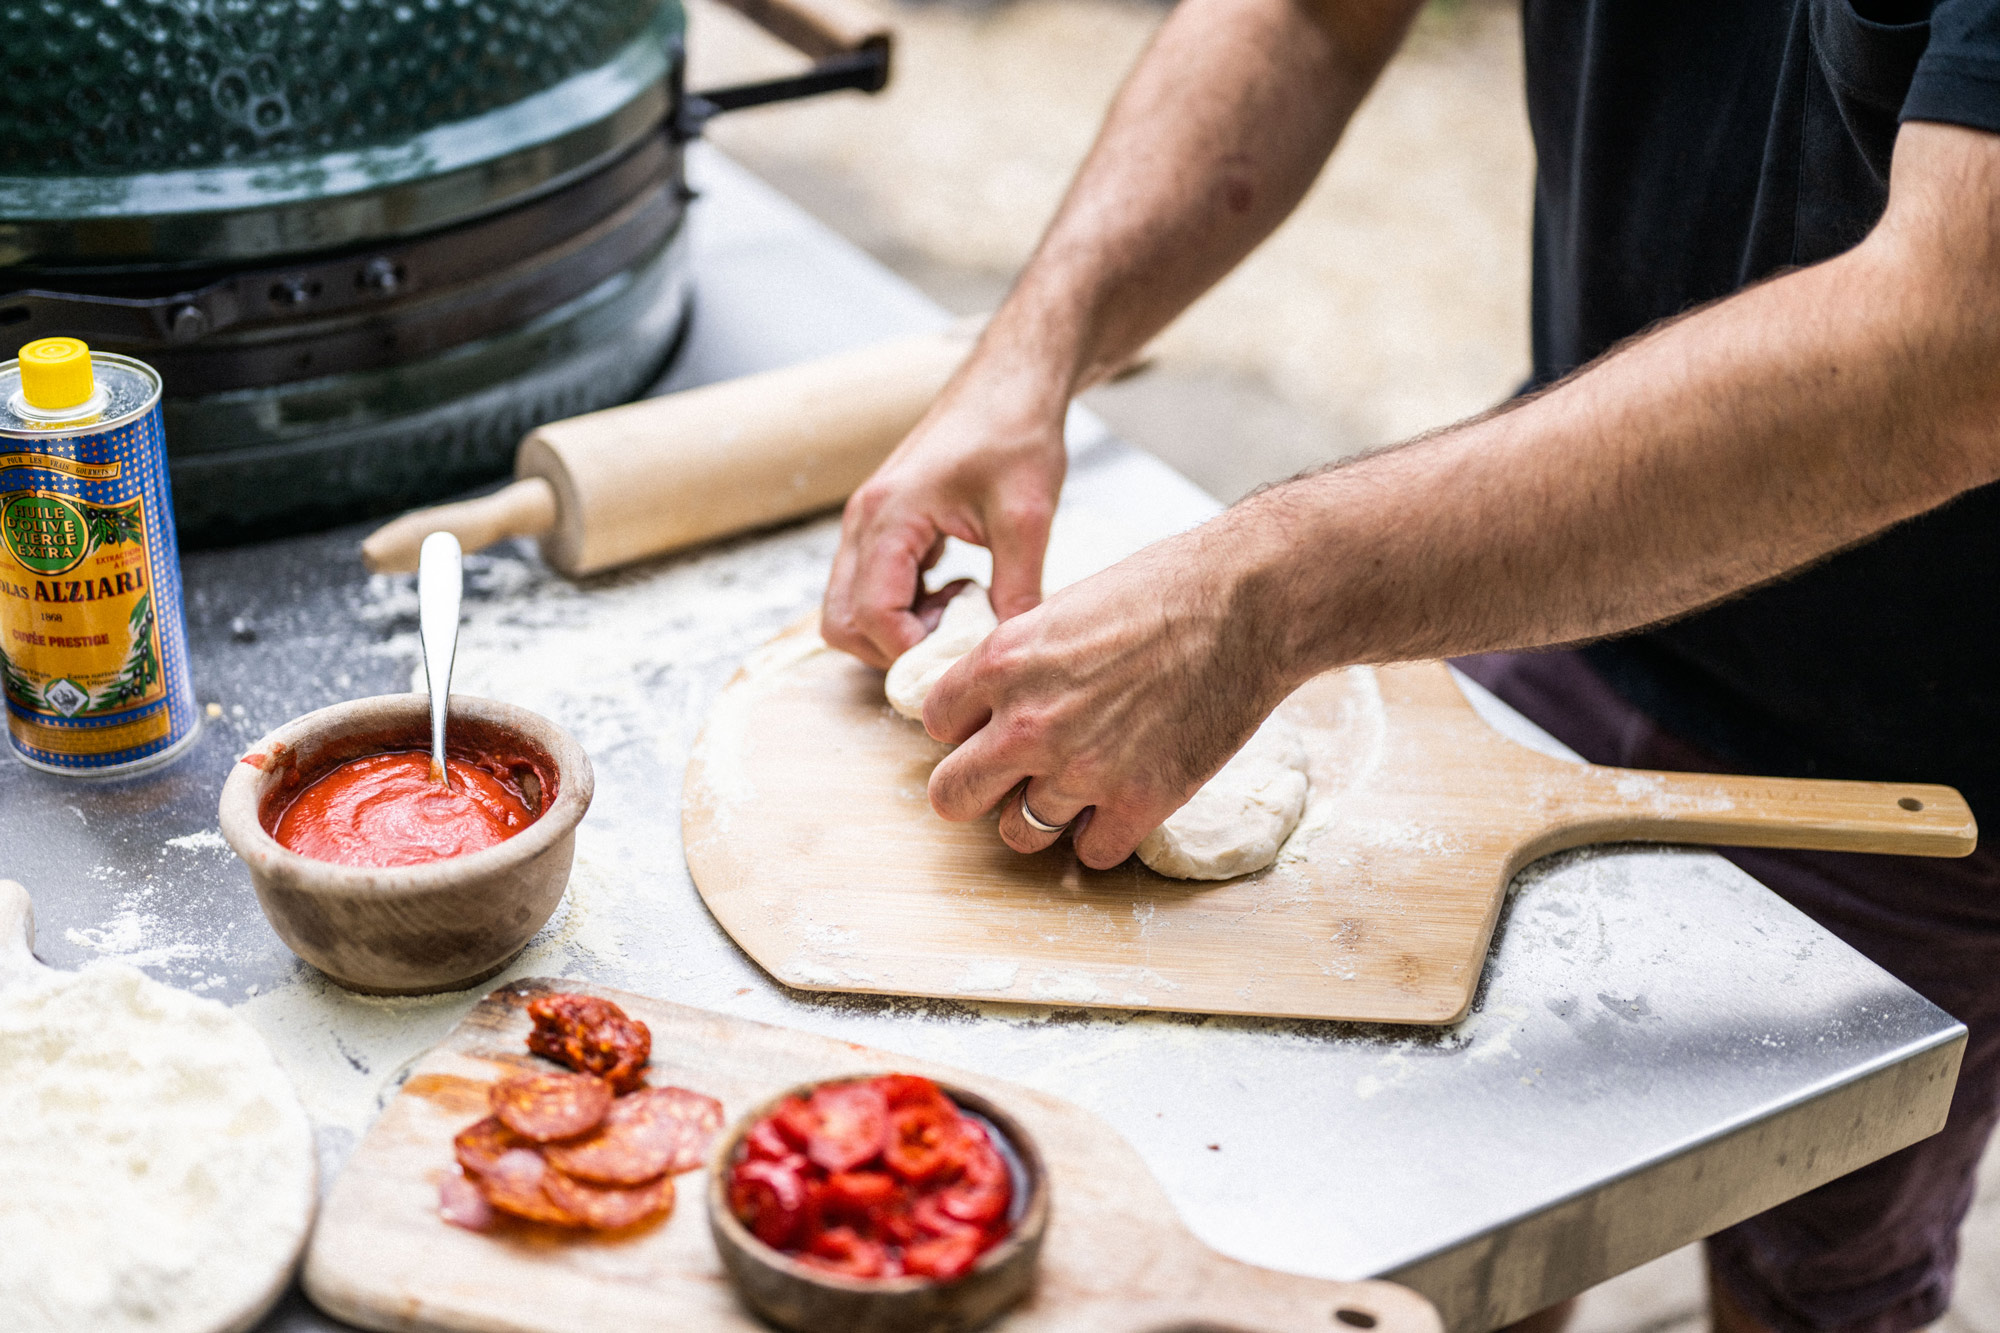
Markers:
(1212, 141)
(1718, 452)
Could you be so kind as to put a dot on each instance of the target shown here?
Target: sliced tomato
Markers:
(874, 1178)
(929, 1219)
(894, 1224)
(945, 1257)
(901, 1090)
(764, 1140)
(923, 1140)
(859, 1194)
(795, 1120)
(845, 1250)
(983, 1189)
(853, 1125)
(770, 1198)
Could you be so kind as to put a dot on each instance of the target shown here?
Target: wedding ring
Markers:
(1035, 823)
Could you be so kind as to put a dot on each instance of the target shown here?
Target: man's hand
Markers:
(1213, 139)
(979, 467)
(1114, 702)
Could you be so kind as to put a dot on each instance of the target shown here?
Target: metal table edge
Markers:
(1589, 1233)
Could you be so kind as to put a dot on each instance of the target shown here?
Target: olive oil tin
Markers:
(93, 643)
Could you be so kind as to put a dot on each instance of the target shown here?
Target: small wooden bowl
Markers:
(408, 930)
(805, 1299)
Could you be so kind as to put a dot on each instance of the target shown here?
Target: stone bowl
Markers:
(409, 930)
(795, 1296)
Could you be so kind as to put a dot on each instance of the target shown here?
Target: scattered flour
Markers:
(208, 840)
(1066, 988)
(132, 936)
(991, 976)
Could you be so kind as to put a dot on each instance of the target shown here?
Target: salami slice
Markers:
(591, 1036)
(461, 1204)
(609, 1207)
(700, 1119)
(515, 1185)
(479, 1146)
(646, 1134)
(545, 1107)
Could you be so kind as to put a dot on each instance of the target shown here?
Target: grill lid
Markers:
(207, 131)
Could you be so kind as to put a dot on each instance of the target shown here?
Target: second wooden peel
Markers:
(810, 836)
(663, 474)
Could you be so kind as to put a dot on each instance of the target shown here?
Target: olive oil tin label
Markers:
(93, 645)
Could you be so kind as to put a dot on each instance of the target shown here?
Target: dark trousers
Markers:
(1875, 1250)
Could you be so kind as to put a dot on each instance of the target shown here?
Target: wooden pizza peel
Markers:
(1116, 1258)
(810, 836)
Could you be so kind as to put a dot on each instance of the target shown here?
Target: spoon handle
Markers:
(440, 584)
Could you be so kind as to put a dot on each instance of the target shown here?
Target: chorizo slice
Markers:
(699, 1118)
(479, 1146)
(609, 1207)
(646, 1134)
(591, 1036)
(461, 1203)
(517, 1184)
(545, 1107)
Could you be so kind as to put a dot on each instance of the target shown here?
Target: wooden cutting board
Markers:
(811, 838)
(1116, 1259)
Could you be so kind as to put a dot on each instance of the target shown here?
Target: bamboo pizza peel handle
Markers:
(1898, 819)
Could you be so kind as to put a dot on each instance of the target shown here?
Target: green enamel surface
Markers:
(114, 87)
(443, 138)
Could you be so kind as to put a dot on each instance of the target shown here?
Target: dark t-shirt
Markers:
(1685, 150)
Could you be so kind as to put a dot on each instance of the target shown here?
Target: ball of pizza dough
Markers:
(968, 619)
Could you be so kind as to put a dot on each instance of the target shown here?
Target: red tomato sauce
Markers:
(881, 1177)
(384, 810)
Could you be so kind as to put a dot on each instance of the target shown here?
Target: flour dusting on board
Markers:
(991, 976)
(1347, 755)
(1652, 790)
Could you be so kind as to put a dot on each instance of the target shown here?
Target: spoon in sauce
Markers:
(440, 586)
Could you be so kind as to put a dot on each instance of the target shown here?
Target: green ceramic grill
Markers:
(368, 243)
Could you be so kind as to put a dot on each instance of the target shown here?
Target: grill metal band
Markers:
(374, 307)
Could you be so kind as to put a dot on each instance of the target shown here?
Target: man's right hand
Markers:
(1212, 140)
(985, 465)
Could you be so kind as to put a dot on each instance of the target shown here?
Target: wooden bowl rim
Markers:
(1028, 1230)
(243, 828)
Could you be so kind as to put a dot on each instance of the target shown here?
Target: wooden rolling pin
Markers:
(663, 474)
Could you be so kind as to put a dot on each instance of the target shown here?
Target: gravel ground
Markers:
(1393, 301)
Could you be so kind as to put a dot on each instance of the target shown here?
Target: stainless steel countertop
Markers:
(1661, 1045)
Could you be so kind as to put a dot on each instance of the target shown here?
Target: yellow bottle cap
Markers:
(55, 373)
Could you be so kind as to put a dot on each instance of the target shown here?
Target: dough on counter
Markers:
(159, 1169)
(968, 619)
(1238, 821)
